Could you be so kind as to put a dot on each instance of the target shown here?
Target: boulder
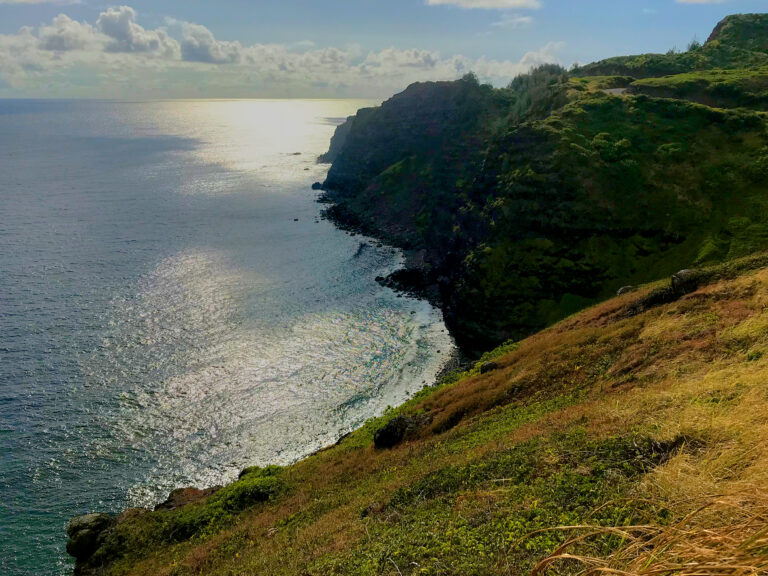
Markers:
(488, 367)
(625, 290)
(86, 534)
(393, 432)
(685, 281)
(317, 186)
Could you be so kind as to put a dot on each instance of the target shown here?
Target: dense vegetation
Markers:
(533, 201)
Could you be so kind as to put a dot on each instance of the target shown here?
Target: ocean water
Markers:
(173, 309)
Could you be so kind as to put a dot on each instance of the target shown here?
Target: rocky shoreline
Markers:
(414, 279)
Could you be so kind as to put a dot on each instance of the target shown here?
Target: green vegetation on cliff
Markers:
(536, 200)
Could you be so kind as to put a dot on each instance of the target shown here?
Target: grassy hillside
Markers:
(743, 31)
(627, 437)
(743, 88)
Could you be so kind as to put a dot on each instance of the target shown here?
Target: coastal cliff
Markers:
(628, 437)
(533, 201)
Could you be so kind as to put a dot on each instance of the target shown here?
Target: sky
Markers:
(321, 48)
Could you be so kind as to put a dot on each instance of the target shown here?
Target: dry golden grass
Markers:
(727, 536)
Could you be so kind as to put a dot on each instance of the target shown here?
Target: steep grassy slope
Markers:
(742, 31)
(633, 431)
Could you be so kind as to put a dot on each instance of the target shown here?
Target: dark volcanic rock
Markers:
(86, 533)
(685, 281)
(680, 284)
(488, 367)
(317, 186)
(393, 432)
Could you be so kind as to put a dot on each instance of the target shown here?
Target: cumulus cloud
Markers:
(199, 45)
(65, 34)
(119, 24)
(489, 4)
(118, 57)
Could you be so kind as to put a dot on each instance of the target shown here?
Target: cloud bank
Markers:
(116, 56)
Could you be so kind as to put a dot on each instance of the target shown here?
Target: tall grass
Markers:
(726, 536)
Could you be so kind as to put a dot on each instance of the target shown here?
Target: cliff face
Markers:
(338, 140)
(432, 120)
(534, 201)
(402, 165)
(745, 31)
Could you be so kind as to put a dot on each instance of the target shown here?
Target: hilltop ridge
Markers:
(745, 31)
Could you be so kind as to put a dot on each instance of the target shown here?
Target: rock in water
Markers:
(317, 186)
(86, 534)
(393, 432)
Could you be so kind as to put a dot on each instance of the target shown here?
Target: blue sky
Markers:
(317, 48)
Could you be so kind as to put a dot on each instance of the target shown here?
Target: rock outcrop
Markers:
(86, 533)
(393, 432)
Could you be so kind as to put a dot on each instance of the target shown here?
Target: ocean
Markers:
(173, 308)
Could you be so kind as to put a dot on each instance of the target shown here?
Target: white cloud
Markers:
(65, 34)
(117, 57)
(119, 23)
(199, 45)
(489, 4)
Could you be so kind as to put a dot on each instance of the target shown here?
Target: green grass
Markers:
(475, 518)
(607, 192)
(745, 88)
